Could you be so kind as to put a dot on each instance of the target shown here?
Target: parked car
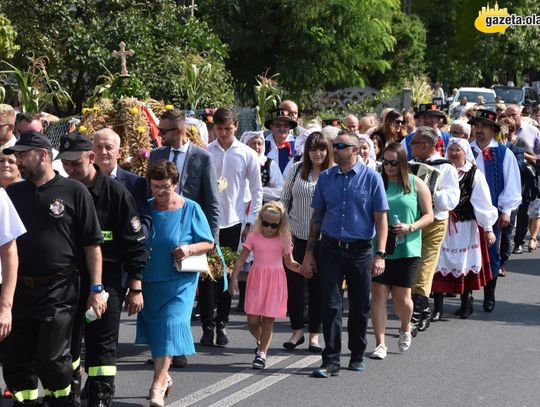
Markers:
(525, 96)
(472, 98)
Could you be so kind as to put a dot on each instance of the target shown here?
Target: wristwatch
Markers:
(96, 288)
(381, 254)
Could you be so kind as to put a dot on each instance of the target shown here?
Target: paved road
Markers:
(486, 360)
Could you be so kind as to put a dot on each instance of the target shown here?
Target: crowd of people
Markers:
(410, 204)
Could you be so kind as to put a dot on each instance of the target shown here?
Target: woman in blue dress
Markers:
(179, 229)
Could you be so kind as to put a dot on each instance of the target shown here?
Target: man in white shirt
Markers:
(501, 169)
(445, 198)
(280, 142)
(237, 168)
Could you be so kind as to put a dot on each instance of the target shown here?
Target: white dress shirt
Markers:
(510, 197)
(446, 197)
(239, 165)
(181, 159)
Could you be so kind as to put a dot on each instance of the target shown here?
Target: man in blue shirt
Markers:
(349, 211)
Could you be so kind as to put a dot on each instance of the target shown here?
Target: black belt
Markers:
(357, 244)
(33, 282)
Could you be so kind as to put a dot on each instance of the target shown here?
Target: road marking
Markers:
(194, 398)
(266, 382)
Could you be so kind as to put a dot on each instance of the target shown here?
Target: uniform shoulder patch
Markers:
(135, 224)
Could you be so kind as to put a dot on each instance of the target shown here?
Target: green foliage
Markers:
(128, 87)
(7, 38)
(78, 38)
(36, 89)
(312, 44)
(267, 95)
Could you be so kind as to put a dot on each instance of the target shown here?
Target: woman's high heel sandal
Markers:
(158, 394)
(532, 244)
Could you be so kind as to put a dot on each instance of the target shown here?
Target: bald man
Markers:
(108, 151)
(351, 123)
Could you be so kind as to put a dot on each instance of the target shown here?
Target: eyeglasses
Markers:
(165, 187)
(393, 163)
(342, 146)
(412, 143)
(268, 224)
(165, 131)
(399, 122)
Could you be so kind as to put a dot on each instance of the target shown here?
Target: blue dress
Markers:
(165, 321)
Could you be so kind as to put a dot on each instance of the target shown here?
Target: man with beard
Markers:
(123, 250)
(349, 211)
(501, 169)
(63, 233)
(198, 181)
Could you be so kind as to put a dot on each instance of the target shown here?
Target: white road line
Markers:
(267, 382)
(194, 398)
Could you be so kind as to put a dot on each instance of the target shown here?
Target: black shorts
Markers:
(398, 272)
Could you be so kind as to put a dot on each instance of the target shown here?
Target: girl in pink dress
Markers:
(266, 291)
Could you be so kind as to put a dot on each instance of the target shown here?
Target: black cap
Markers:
(281, 115)
(28, 141)
(486, 117)
(73, 145)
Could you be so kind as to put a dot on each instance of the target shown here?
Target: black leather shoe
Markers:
(326, 370)
(207, 338)
(489, 304)
(468, 309)
(179, 361)
(357, 365)
(425, 320)
(292, 345)
(414, 330)
(436, 316)
(222, 339)
(315, 348)
(517, 250)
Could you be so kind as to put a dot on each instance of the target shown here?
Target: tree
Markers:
(7, 38)
(311, 44)
(78, 38)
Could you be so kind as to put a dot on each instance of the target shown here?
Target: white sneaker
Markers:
(404, 341)
(379, 352)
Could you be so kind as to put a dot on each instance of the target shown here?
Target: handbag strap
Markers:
(224, 264)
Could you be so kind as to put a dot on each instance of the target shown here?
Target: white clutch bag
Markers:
(193, 264)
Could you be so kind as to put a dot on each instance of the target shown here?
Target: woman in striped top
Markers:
(296, 197)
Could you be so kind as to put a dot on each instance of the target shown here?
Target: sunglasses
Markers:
(393, 163)
(399, 122)
(268, 224)
(342, 146)
(165, 131)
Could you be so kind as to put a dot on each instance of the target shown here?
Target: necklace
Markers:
(155, 229)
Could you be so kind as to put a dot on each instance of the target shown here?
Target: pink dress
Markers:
(266, 290)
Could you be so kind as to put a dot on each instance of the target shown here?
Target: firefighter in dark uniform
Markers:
(123, 250)
(63, 233)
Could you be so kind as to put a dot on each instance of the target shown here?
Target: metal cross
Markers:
(122, 55)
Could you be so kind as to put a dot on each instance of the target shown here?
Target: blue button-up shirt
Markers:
(349, 201)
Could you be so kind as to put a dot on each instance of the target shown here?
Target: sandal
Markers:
(532, 244)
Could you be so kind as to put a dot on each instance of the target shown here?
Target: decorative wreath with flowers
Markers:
(132, 119)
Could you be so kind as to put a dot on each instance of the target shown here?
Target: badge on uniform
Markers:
(56, 208)
(135, 224)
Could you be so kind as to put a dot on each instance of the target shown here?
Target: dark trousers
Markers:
(355, 265)
(211, 292)
(39, 344)
(295, 293)
(495, 262)
(100, 336)
(506, 239)
(522, 224)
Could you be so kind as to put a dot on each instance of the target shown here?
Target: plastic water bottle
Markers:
(396, 222)
(90, 314)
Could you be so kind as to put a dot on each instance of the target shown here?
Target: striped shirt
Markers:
(296, 197)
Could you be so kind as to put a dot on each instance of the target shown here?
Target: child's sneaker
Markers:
(259, 362)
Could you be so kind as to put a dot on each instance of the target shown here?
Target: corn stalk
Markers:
(267, 95)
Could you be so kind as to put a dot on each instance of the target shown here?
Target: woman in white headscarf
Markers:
(464, 263)
(367, 151)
